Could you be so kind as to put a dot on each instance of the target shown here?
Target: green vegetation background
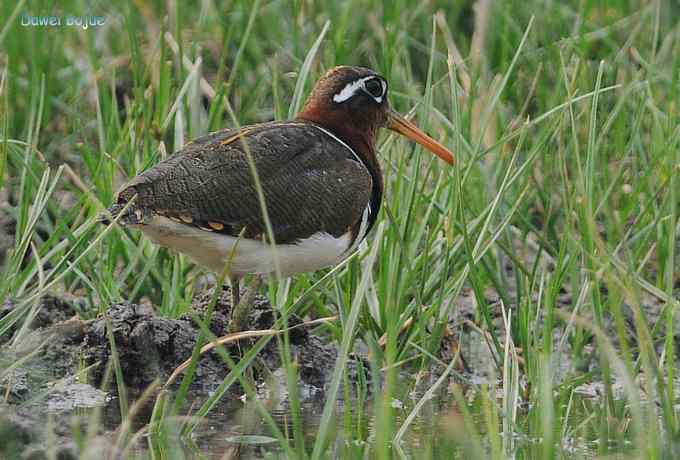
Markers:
(564, 120)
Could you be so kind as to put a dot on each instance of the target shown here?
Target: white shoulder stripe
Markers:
(363, 228)
(356, 157)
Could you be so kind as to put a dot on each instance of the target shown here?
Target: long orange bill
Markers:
(398, 123)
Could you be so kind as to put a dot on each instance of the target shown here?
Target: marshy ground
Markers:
(521, 304)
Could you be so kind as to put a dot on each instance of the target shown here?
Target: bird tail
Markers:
(123, 214)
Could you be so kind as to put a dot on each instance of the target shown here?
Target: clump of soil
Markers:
(314, 356)
(151, 347)
(60, 346)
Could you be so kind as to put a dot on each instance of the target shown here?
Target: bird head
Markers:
(352, 102)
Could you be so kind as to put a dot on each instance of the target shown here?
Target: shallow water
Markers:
(437, 426)
(232, 421)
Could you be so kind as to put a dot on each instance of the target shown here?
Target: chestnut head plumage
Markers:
(353, 102)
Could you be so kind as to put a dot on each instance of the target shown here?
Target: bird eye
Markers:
(375, 88)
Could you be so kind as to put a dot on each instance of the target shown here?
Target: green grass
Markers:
(564, 120)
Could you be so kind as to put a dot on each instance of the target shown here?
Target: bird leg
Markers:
(241, 309)
(235, 292)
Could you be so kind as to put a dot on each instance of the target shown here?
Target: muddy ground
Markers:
(61, 362)
(64, 361)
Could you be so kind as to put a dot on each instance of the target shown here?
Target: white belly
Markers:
(212, 250)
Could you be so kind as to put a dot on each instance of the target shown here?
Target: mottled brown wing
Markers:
(311, 183)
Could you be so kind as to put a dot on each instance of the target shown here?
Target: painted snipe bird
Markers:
(319, 177)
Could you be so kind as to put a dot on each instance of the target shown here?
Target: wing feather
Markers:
(311, 183)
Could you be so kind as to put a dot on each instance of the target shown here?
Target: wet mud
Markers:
(60, 364)
(151, 347)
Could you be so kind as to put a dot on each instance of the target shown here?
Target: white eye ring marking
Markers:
(351, 88)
